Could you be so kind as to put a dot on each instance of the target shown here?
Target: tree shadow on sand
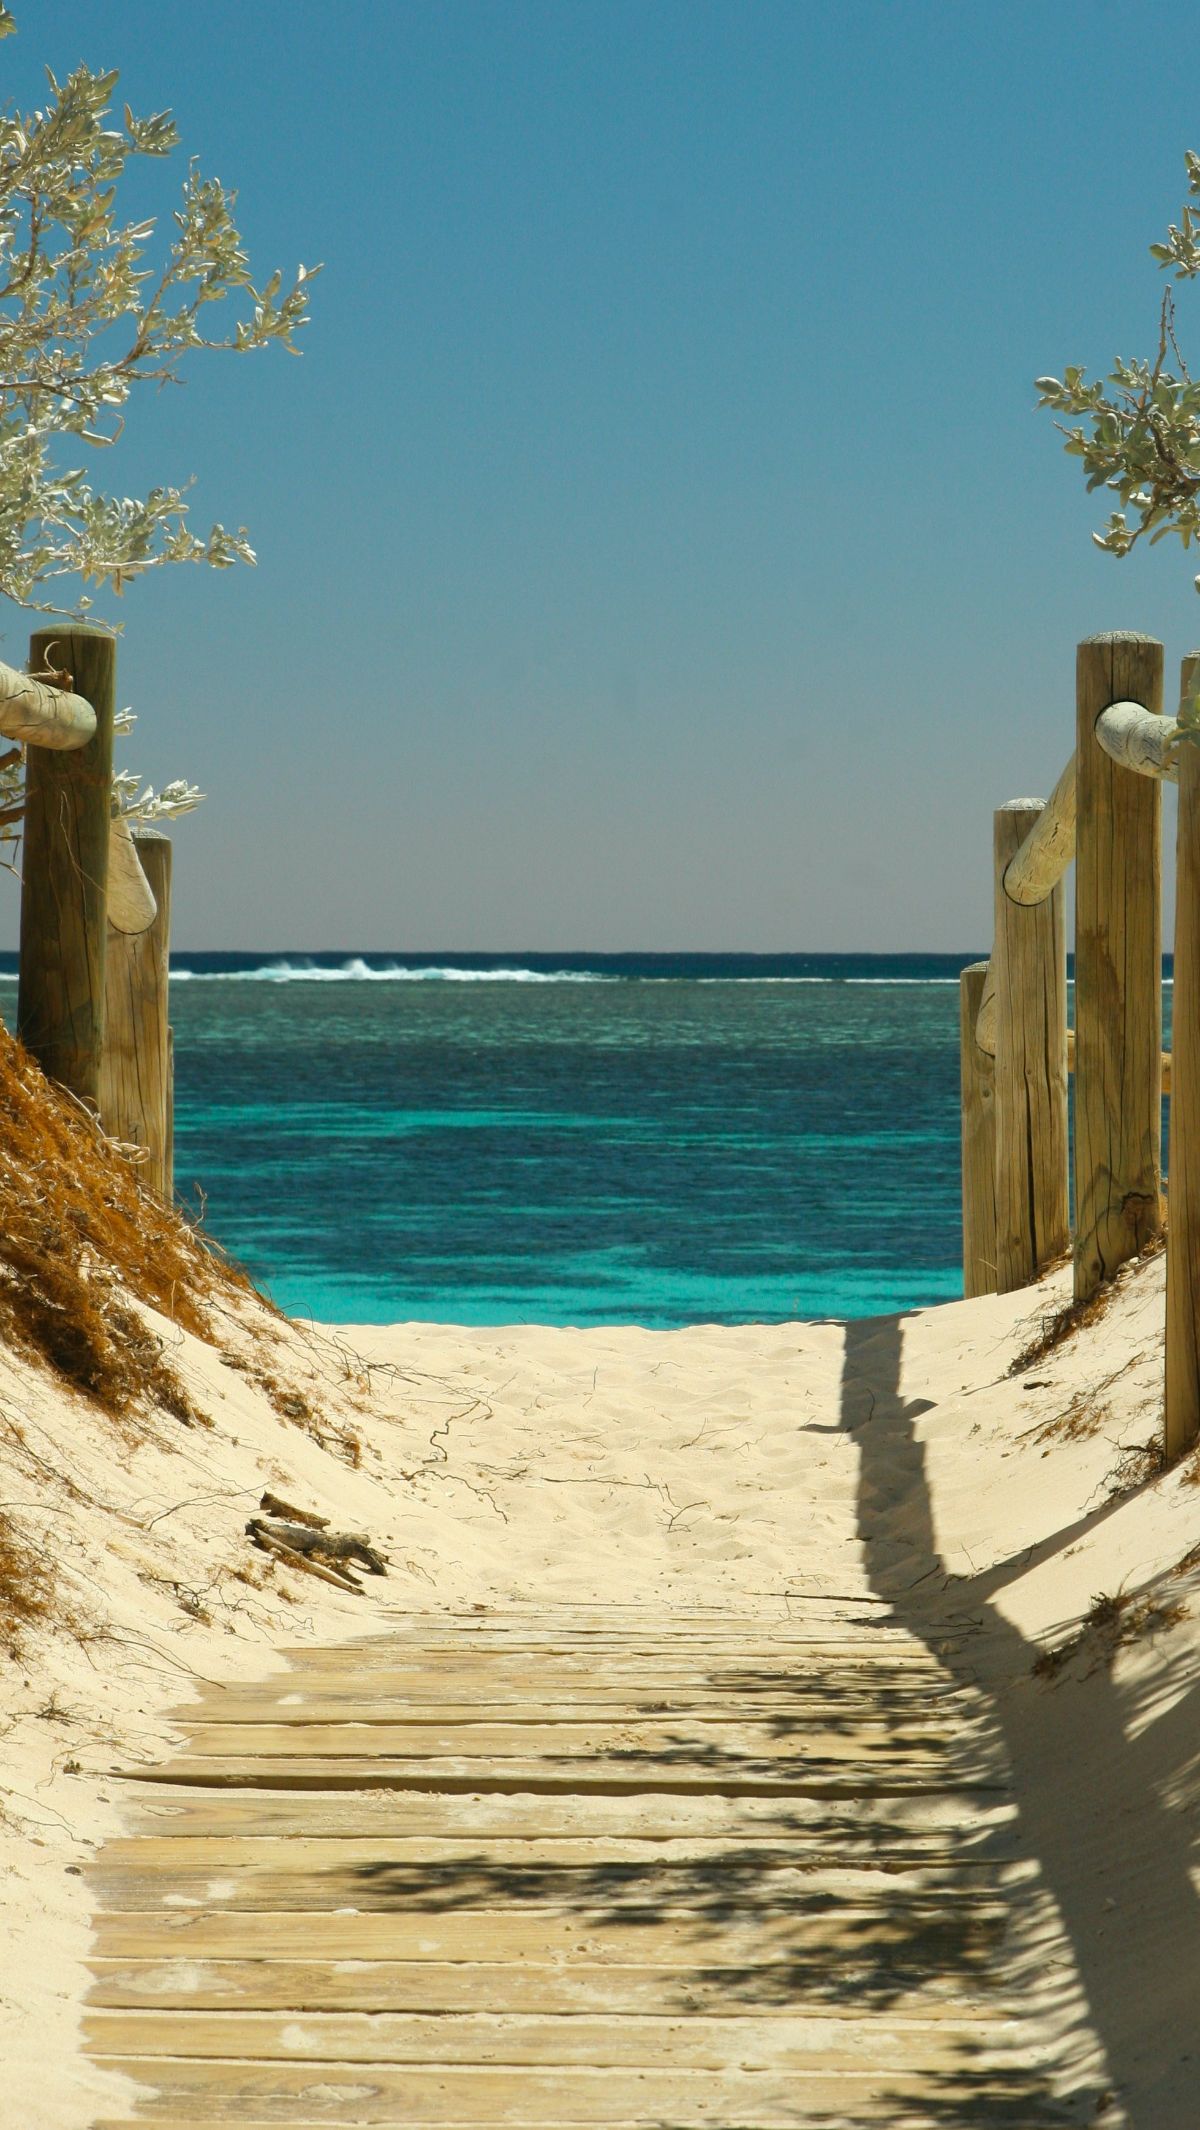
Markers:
(1125, 1794)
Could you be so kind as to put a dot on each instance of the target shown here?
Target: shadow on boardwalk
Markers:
(1098, 1777)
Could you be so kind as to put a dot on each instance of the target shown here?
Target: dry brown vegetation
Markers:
(1060, 1327)
(79, 1236)
(25, 1586)
(1115, 1618)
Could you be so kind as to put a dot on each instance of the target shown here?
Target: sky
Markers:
(659, 543)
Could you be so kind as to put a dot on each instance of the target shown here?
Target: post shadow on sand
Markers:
(1136, 1949)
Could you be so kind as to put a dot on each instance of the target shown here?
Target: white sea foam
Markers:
(357, 971)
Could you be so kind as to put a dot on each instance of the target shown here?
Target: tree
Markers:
(85, 319)
(1142, 439)
(87, 316)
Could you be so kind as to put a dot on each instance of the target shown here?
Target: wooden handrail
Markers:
(1048, 849)
(132, 908)
(1139, 739)
(1013, 1043)
(41, 715)
(1133, 737)
(1136, 739)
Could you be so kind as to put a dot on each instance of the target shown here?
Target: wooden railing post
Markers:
(64, 869)
(1182, 1424)
(1030, 970)
(1118, 971)
(136, 1092)
(978, 1085)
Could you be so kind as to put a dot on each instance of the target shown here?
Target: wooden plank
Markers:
(896, 1930)
(775, 1637)
(517, 1905)
(688, 2042)
(793, 1741)
(213, 2092)
(782, 1609)
(348, 1704)
(645, 1621)
(776, 1608)
(583, 1778)
(736, 1881)
(534, 1670)
(1118, 970)
(702, 1674)
(309, 1856)
(717, 1692)
(296, 1985)
(473, 1816)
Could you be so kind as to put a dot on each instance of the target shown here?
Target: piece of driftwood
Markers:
(276, 1506)
(280, 1551)
(337, 1546)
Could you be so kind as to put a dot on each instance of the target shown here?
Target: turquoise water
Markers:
(574, 1140)
(594, 1147)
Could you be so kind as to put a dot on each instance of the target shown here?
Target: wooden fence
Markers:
(95, 902)
(1105, 812)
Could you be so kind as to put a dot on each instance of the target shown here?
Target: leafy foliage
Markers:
(1137, 432)
(85, 318)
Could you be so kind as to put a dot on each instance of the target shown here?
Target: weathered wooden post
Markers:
(1118, 970)
(136, 1093)
(977, 1072)
(1182, 1423)
(1029, 964)
(60, 994)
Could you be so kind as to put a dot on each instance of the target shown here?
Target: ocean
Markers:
(573, 1139)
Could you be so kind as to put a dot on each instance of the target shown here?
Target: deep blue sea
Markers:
(574, 1139)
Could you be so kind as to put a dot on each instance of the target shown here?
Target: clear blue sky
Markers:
(659, 546)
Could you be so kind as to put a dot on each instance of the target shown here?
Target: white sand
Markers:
(740, 1466)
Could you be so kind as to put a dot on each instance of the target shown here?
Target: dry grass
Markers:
(26, 1587)
(292, 1404)
(1078, 1421)
(1063, 1325)
(79, 1236)
(1114, 1619)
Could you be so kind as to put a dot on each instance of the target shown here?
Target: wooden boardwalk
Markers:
(573, 1867)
